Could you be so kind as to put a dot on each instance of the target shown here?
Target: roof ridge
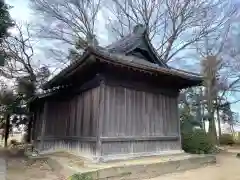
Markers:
(146, 36)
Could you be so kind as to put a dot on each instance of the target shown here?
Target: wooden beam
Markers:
(179, 124)
(112, 139)
(74, 138)
(34, 126)
(100, 117)
(74, 89)
(45, 113)
(7, 126)
(136, 83)
(139, 138)
(94, 82)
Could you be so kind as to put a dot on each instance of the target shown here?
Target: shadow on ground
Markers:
(22, 168)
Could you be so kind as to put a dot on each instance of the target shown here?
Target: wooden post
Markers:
(100, 119)
(29, 130)
(7, 126)
(179, 124)
(45, 112)
(33, 135)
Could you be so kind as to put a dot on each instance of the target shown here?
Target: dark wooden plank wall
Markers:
(147, 147)
(38, 122)
(134, 121)
(71, 123)
(131, 113)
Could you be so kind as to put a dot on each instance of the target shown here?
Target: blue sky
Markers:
(22, 13)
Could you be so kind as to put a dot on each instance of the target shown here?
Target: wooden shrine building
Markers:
(116, 102)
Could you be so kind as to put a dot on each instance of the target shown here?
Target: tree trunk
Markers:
(7, 130)
(231, 128)
(202, 111)
(219, 122)
(212, 129)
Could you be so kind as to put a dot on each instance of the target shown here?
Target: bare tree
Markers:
(68, 21)
(226, 51)
(18, 50)
(172, 25)
(21, 67)
(210, 67)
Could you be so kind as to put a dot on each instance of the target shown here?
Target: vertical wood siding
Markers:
(127, 113)
(136, 113)
(38, 122)
(70, 120)
(132, 113)
(139, 147)
(75, 116)
(84, 149)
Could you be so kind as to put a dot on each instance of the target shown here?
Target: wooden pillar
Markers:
(7, 126)
(100, 119)
(29, 129)
(45, 112)
(179, 123)
(33, 132)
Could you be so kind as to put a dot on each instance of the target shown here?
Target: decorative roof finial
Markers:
(139, 29)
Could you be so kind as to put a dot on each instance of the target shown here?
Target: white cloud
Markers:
(20, 10)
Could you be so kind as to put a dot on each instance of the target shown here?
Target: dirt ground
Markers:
(18, 167)
(21, 170)
(227, 167)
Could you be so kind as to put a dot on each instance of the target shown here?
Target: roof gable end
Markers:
(137, 44)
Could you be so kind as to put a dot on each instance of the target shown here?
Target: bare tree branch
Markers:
(19, 53)
(172, 25)
(68, 20)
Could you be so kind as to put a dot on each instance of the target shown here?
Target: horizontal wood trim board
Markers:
(83, 139)
(144, 88)
(71, 91)
(139, 138)
(93, 83)
(114, 139)
(151, 87)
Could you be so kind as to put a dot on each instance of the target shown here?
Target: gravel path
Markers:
(227, 167)
(2, 169)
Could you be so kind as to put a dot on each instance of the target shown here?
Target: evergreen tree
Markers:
(5, 19)
(5, 23)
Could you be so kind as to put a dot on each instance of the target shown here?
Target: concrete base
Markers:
(145, 171)
(130, 156)
(112, 158)
(139, 168)
(2, 169)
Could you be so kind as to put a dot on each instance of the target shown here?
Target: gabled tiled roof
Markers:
(118, 53)
(135, 40)
(143, 64)
(125, 44)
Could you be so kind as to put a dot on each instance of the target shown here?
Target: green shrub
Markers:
(84, 176)
(197, 142)
(226, 139)
(236, 138)
(13, 142)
